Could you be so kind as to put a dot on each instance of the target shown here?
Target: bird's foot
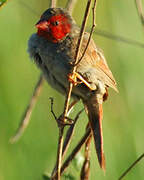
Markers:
(73, 78)
(76, 78)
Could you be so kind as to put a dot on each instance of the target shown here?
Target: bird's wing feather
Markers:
(95, 58)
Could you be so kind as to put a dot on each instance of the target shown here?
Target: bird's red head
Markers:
(54, 25)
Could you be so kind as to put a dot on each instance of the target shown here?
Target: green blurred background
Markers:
(123, 124)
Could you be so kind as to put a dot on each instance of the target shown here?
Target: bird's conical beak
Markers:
(43, 25)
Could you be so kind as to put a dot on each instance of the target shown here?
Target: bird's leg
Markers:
(74, 77)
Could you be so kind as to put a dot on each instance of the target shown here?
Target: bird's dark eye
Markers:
(56, 23)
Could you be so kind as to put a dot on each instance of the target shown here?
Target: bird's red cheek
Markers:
(57, 33)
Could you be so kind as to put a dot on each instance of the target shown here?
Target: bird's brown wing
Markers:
(95, 58)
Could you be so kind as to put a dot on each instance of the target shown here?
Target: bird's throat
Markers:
(47, 36)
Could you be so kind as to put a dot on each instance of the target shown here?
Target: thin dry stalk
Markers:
(74, 152)
(85, 171)
(76, 56)
(70, 133)
(70, 5)
(59, 158)
(68, 96)
(26, 117)
(61, 128)
(132, 166)
(140, 10)
(68, 138)
(59, 152)
(52, 111)
(53, 3)
(91, 31)
(118, 38)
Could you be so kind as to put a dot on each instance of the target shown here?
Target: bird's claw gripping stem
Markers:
(74, 77)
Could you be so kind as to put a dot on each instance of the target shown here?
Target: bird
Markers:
(53, 48)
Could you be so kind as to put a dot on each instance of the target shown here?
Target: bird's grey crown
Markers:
(55, 11)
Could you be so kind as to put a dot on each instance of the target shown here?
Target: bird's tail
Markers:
(95, 114)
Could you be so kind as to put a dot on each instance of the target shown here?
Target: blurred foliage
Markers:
(78, 161)
(46, 177)
(68, 177)
(123, 122)
(2, 2)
